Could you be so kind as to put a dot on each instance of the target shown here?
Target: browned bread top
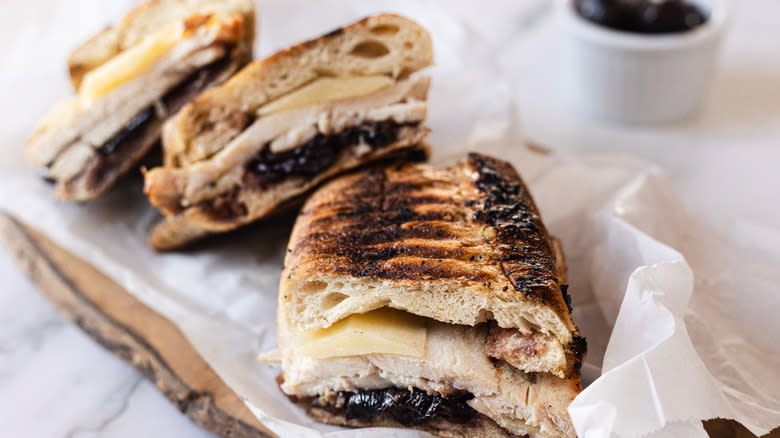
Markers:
(463, 245)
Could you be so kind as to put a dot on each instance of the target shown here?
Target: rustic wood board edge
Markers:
(211, 405)
(123, 325)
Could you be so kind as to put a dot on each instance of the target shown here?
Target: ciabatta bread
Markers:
(481, 288)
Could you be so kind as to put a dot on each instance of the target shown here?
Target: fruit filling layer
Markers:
(320, 152)
(409, 408)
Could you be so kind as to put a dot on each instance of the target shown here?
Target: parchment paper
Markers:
(672, 339)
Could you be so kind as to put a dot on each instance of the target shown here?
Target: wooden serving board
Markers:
(132, 331)
(152, 344)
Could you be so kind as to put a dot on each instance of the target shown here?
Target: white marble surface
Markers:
(56, 382)
(725, 162)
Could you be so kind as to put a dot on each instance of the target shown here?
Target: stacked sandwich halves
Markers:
(286, 123)
(129, 79)
(429, 298)
(411, 296)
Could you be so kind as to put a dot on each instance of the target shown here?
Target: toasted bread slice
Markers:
(146, 19)
(288, 122)
(87, 142)
(472, 229)
(481, 284)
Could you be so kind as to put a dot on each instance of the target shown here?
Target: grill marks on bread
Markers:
(375, 230)
(462, 246)
(475, 222)
(527, 256)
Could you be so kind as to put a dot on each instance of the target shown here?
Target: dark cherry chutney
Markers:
(642, 16)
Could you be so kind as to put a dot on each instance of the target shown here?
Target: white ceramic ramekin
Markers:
(637, 78)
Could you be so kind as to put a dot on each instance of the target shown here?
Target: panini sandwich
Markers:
(129, 79)
(428, 298)
(286, 123)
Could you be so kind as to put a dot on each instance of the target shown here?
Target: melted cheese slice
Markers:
(384, 330)
(128, 64)
(326, 90)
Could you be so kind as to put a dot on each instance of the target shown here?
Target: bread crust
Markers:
(461, 245)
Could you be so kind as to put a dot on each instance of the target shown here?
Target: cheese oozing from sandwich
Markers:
(381, 331)
(326, 90)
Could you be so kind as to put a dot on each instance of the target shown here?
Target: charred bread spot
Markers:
(566, 296)
(330, 243)
(383, 210)
(414, 270)
(376, 253)
(577, 349)
(527, 256)
(355, 220)
(334, 32)
(404, 202)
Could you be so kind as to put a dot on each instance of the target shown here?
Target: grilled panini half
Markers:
(288, 122)
(429, 298)
(129, 79)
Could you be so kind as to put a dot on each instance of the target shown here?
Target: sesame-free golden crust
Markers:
(474, 222)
